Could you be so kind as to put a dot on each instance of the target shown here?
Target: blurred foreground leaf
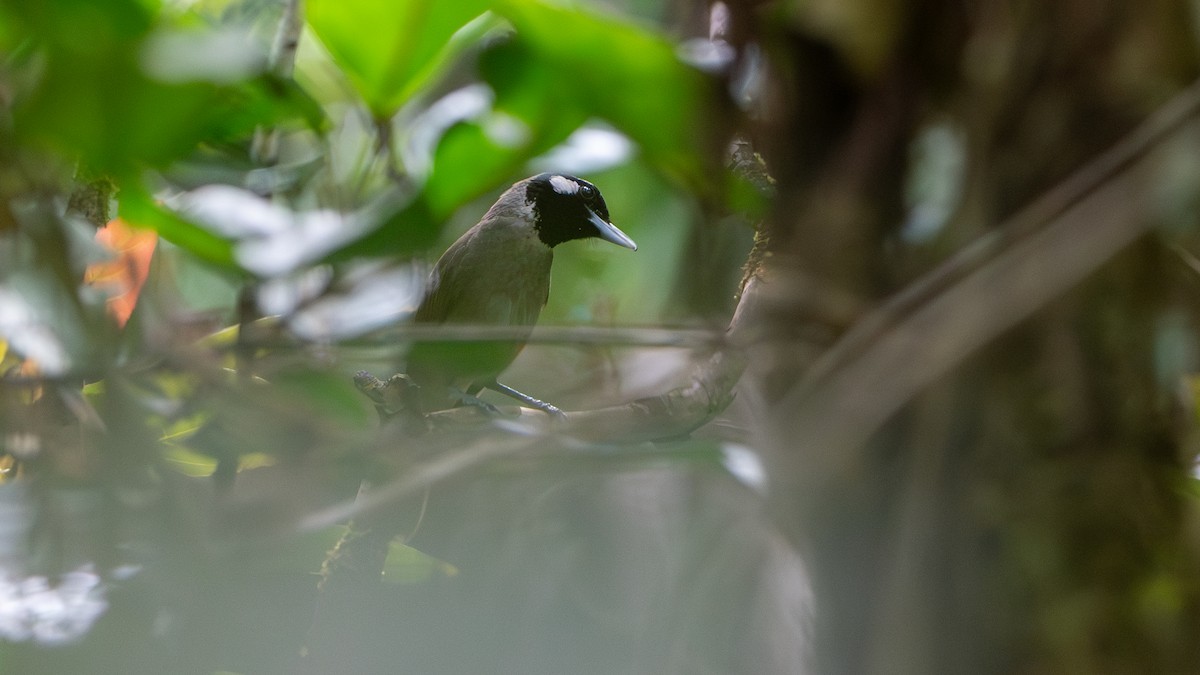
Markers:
(150, 92)
(614, 69)
(391, 48)
(563, 66)
(142, 210)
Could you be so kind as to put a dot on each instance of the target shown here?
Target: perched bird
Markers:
(498, 273)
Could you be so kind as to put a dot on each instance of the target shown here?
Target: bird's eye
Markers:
(587, 192)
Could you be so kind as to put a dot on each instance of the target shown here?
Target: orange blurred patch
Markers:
(124, 275)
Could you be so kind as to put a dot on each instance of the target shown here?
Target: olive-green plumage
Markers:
(498, 274)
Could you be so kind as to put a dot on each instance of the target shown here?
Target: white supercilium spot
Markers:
(564, 186)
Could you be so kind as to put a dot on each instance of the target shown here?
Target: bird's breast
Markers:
(489, 277)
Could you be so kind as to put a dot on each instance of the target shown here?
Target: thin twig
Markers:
(1163, 124)
(630, 336)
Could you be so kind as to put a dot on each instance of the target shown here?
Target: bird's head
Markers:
(566, 208)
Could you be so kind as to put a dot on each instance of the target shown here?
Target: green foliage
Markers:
(392, 49)
(141, 208)
(562, 67)
(627, 75)
(149, 93)
(182, 454)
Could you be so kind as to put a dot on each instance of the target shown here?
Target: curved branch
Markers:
(978, 294)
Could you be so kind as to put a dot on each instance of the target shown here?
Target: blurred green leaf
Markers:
(562, 67)
(407, 565)
(403, 230)
(532, 113)
(134, 120)
(117, 88)
(616, 70)
(328, 395)
(142, 210)
(189, 463)
(264, 100)
(391, 48)
(85, 27)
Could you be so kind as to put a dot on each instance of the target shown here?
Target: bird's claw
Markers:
(549, 409)
(396, 394)
(476, 402)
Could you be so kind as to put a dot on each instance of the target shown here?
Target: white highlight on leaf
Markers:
(33, 608)
(366, 298)
(709, 56)
(426, 130)
(221, 56)
(591, 148)
(714, 55)
(719, 22)
(29, 334)
(270, 240)
(744, 464)
(564, 186)
(506, 130)
(284, 295)
(23, 445)
(934, 185)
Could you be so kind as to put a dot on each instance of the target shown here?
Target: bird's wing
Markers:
(471, 284)
(442, 291)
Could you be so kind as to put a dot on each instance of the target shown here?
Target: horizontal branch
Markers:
(630, 336)
(462, 439)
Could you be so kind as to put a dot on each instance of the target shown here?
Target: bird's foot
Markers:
(465, 399)
(397, 394)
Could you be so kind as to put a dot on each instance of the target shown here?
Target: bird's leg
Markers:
(524, 398)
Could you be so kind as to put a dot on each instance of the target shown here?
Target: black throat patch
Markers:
(564, 215)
